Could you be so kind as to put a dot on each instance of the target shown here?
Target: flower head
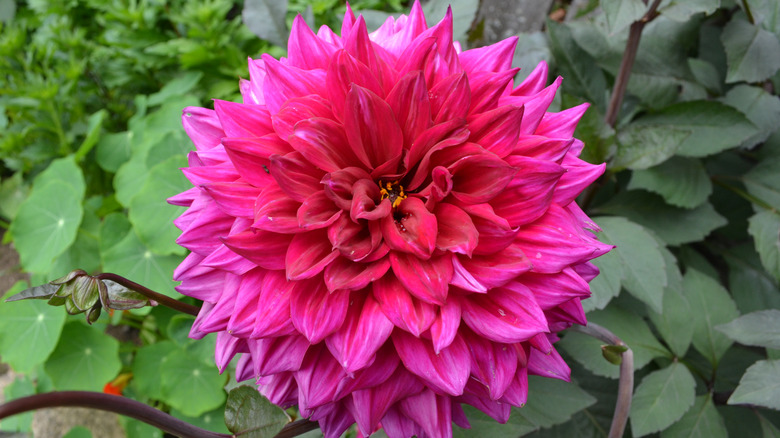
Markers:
(386, 229)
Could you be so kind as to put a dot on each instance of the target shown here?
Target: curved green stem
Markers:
(152, 295)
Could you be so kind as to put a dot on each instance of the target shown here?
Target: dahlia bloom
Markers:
(386, 229)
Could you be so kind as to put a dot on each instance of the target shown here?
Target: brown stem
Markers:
(629, 55)
(626, 385)
(298, 427)
(152, 295)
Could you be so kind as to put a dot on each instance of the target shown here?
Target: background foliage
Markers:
(91, 93)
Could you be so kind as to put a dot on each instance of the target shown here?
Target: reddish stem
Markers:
(152, 295)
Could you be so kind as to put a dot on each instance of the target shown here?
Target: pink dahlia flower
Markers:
(386, 229)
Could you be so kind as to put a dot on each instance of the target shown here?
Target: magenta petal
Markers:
(316, 312)
(445, 372)
(317, 378)
(381, 369)
(280, 389)
(396, 424)
(266, 249)
(249, 158)
(562, 124)
(497, 130)
(431, 411)
(305, 50)
(284, 82)
(370, 405)
(240, 120)
(343, 71)
(415, 232)
(202, 126)
(549, 365)
(321, 141)
(345, 274)
(372, 131)
(450, 98)
(234, 199)
(427, 280)
(542, 148)
(299, 109)
(273, 305)
(579, 174)
(491, 270)
(551, 290)
(479, 178)
(365, 329)
(504, 315)
(457, 232)
(366, 202)
(492, 364)
(227, 346)
(354, 240)
(277, 355)
(495, 233)
(476, 394)
(308, 254)
(275, 211)
(487, 88)
(295, 175)
(317, 211)
(339, 185)
(494, 58)
(405, 311)
(529, 194)
(517, 392)
(409, 101)
(534, 83)
(446, 324)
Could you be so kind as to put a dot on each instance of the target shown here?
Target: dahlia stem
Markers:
(152, 295)
(297, 427)
(629, 55)
(626, 385)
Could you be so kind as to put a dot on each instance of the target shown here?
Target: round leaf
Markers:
(85, 359)
(189, 385)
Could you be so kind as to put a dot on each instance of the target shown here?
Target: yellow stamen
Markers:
(392, 191)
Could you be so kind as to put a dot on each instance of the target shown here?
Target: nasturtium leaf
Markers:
(113, 150)
(148, 362)
(22, 386)
(759, 386)
(753, 54)
(250, 415)
(683, 182)
(662, 398)
(711, 305)
(78, 432)
(46, 225)
(645, 146)
(189, 385)
(113, 229)
(151, 216)
(625, 324)
(29, 331)
(763, 181)
(555, 402)
(130, 258)
(760, 107)
(583, 76)
(178, 329)
(621, 13)
(13, 191)
(212, 420)
(750, 285)
(674, 324)
(84, 254)
(606, 286)
(673, 225)
(644, 272)
(138, 429)
(713, 127)
(760, 329)
(266, 19)
(64, 171)
(682, 10)
(700, 421)
(84, 359)
(765, 229)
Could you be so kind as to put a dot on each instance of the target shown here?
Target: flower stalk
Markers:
(152, 295)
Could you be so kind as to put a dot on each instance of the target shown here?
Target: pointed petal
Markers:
(415, 232)
(528, 196)
(298, 109)
(365, 329)
(504, 315)
(446, 324)
(308, 254)
(431, 411)
(450, 98)
(295, 175)
(316, 312)
(579, 174)
(410, 104)
(234, 199)
(476, 394)
(370, 405)
(497, 131)
(354, 240)
(542, 148)
(494, 58)
(317, 378)
(264, 248)
(305, 50)
(534, 83)
(446, 372)
(562, 124)
(492, 364)
(343, 71)
(549, 365)
(280, 389)
(317, 211)
(275, 211)
(346, 274)
(240, 120)
(457, 232)
(202, 126)
(321, 141)
(371, 128)
(479, 178)
(284, 82)
(277, 355)
(492, 270)
(428, 280)
(495, 233)
(487, 88)
(551, 290)
(405, 311)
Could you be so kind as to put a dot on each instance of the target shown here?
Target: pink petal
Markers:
(354, 240)
(535, 106)
(224, 259)
(397, 424)
(483, 272)
(202, 234)
(410, 104)
(305, 50)
(275, 211)
(494, 58)
(202, 126)
(534, 82)
(339, 185)
(492, 364)
(446, 372)
(298, 109)
(372, 130)
(542, 148)
(346, 274)
(273, 305)
(517, 393)
(434, 139)
(495, 233)
(295, 175)
(450, 98)
(239, 120)
(280, 389)
(504, 315)
(487, 88)
(250, 159)
(548, 365)
(457, 232)
(264, 248)
(431, 411)
(284, 82)
(343, 71)
(477, 395)
(415, 232)
(402, 309)
(366, 202)
(427, 280)
(479, 178)
(370, 405)
(528, 196)
(497, 130)
(562, 124)
(446, 324)
(316, 312)
(321, 141)
(381, 369)
(234, 199)
(308, 254)
(317, 378)
(365, 329)
(277, 355)
(579, 174)
(551, 290)
(317, 211)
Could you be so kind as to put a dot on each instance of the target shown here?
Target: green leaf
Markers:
(645, 146)
(607, 284)
(760, 329)
(7, 10)
(682, 10)
(769, 430)
(621, 13)
(674, 324)
(583, 76)
(662, 398)
(532, 48)
(713, 126)
(643, 272)
(151, 216)
(249, 414)
(139, 429)
(702, 420)
(28, 331)
(84, 359)
(750, 285)
(760, 107)
(627, 326)
(130, 258)
(673, 225)
(189, 385)
(266, 19)
(46, 225)
(22, 386)
(759, 386)
(752, 53)
(176, 87)
(713, 306)
(94, 123)
(212, 420)
(707, 75)
(551, 402)
(113, 229)
(463, 12)
(113, 150)
(682, 182)
(78, 432)
(763, 181)
(13, 191)
(148, 362)
(765, 229)
(63, 171)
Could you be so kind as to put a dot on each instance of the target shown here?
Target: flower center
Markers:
(392, 191)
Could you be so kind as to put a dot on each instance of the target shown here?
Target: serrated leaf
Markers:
(760, 107)
(28, 331)
(706, 74)
(266, 19)
(763, 181)
(701, 421)
(682, 10)
(249, 414)
(621, 13)
(768, 429)
(674, 324)
(625, 324)
(84, 359)
(713, 126)
(682, 182)
(759, 386)
(644, 272)
(760, 329)
(645, 146)
(584, 77)
(713, 306)
(606, 285)
(750, 285)
(662, 398)
(673, 225)
(765, 229)
(752, 53)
